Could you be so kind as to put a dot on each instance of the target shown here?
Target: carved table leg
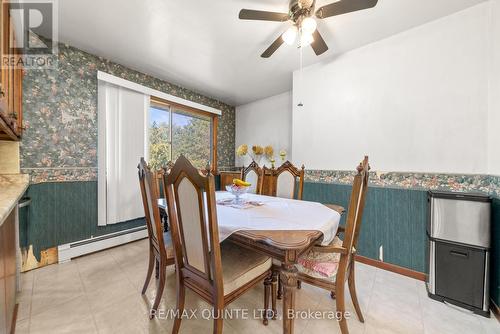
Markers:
(274, 290)
(288, 277)
(280, 289)
(267, 294)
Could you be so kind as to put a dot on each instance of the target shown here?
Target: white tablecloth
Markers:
(276, 214)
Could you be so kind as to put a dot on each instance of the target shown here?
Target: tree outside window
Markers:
(173, 132)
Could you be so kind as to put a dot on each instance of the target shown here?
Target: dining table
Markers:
(280, 228)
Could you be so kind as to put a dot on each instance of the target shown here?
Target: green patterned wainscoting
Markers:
(393, 218)
(63, 212)
(495, 251)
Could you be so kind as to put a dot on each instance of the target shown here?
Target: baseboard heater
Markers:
(82, 247)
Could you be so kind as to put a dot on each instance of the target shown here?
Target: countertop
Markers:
(12, 187)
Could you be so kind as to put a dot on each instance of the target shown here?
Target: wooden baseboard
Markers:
(392, 267)
(495, 309)
(14, 320)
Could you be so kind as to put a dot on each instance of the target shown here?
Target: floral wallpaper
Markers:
(495, 186)
(60, 116)
(489, 184)
(453, 182)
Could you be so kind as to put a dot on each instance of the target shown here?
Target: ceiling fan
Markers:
(303, 30)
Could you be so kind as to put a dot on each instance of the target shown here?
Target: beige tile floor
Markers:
(100, 293)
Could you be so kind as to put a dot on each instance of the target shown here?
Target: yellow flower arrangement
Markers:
(242, 150)
(269, 151)
(257, 150)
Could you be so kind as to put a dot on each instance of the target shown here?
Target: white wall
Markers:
(417, 101)
(494, 91)
(265, 122)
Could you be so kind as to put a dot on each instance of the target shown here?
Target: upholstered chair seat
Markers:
(240, 266)
(320, 264)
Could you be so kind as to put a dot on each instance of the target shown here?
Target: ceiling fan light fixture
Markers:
(308, 25)
(303, 14)
(290, 35)
(306, 39)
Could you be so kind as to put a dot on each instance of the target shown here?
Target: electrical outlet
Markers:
(381, 253)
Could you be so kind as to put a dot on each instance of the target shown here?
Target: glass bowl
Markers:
(237, 191)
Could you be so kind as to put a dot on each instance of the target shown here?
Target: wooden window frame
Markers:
(214, 117)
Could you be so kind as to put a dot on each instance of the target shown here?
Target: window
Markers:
(175, 130)
(160, 147)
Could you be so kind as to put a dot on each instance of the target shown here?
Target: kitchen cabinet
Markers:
(11, 78)
(13, 187)
(8, 273)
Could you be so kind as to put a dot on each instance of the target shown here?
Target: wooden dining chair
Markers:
(161, 253)
(285, 179)
(340, 255)
(218, 273)
(253, 174)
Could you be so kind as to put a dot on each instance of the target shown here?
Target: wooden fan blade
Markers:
(249, 14)
(343, 7)
(319, 46)
(272, 48)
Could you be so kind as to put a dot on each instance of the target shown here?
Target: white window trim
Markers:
(153, 92)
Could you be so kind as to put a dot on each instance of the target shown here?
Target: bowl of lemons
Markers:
(238, 188)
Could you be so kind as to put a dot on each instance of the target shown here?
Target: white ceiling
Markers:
(201, 45)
